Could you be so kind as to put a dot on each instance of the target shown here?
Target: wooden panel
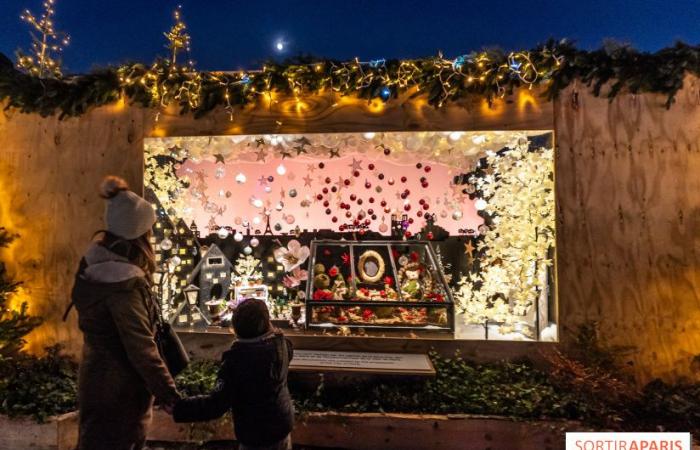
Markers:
(628, 195)
(328, 113)
(49, 176)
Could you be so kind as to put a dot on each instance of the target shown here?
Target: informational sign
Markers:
(382, 363)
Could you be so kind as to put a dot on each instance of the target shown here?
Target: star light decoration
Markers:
(516, 253)
(178, 38)
(47, 43)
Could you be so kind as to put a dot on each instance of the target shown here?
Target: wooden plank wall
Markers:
(628, 199)
(49, 175)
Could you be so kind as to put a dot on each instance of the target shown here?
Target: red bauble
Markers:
(391, 181)
(426, 206)
(424, 185)
(370, 211)
(419, 213)
(429, 235)
(325, 190)
(419, 165)
(383, 203)
(348, 214)
(387, 151)
(374, 217)
(356, 173)
(321, 165)
(319, 197)
(359, 201)
(427, 169)
(334, 219)
(346, 182)
(423, 179)
(353, 197)
(367, 221)
(421, 202)
(404, 195)
(406, 207)
(328, 180)
(328, 211)
(368, 185)
(403, 179)
(371, 166)
(270, 178)
(410, 220)
(380, 176)
(334, 189)
(371, 199)
(407, 234)
(326, 203)
(326, 252)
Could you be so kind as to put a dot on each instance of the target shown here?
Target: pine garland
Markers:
(489, 74)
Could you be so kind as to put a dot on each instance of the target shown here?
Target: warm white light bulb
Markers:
(241, 178)
(369, 135)
(480, 204)
(455, 135)
(281, 170)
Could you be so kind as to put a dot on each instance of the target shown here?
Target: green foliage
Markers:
(39, 387)
(15, 323)
(198, 378)
(487, 74)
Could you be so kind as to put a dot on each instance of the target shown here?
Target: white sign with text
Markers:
(390, 362)
(628, 441)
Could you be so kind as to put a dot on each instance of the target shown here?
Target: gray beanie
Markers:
(127, 215)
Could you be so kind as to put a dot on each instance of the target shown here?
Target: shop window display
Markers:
(398, 232)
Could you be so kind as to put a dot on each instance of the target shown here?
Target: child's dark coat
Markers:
(252, 384)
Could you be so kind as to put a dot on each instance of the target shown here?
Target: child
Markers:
(252, 384)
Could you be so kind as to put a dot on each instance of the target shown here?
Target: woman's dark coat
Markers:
(121, 369)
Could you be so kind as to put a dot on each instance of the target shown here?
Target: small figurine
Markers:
(340, 289)
(411, 289)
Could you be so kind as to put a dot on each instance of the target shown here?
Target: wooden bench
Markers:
(414, 364)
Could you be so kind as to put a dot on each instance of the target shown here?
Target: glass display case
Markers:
(377, 284)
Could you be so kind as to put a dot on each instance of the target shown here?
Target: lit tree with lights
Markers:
(247, 269)
(47, 44)
(15, 321)
(515, 252)
(178, 37)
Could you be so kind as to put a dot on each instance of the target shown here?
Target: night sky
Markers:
(236, 34)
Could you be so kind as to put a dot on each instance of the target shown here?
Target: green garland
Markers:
(489, 75)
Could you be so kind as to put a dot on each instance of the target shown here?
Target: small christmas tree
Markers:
(47, 44)
(15, 322)
(247, 269)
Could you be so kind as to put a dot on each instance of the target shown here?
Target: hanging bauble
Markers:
(245, 223)
(240, 178)
(247, 250)
(238, 236)
(480, 204)
(222, 233)
(292, 192)
(470, 189)
(385, 93)
(383, 228)
(456, 215)
(166, 244)
(220, 172)
(279, 206)
(228, 194)
(289, 219)
(268, 189)
(281, 170)
(237, 220)
(270, 178)
(378, 189)
(483, 229)
(278, 227)
(391, 181)
(254, 242)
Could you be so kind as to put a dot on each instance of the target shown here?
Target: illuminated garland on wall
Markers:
(489, 75)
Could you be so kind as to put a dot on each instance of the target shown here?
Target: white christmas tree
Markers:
(247, 269)
(519, 190)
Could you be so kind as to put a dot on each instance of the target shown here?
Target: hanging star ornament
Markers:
(355, 164)
(303, 141)
(311, 167)
(262, 180)
(307, 181)
(469, 249)
(300, 149)
(219, 158)
(335, 152)
(261, 155)
(259, 142)
(285, 154)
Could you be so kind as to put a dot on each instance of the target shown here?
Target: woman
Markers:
(121, 370)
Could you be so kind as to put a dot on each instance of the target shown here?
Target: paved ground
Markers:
(228, 445)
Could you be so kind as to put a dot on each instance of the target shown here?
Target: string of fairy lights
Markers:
(487, 74)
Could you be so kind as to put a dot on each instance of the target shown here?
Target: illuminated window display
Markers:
(432, 232)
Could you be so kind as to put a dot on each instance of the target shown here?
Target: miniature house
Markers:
(214, 275)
